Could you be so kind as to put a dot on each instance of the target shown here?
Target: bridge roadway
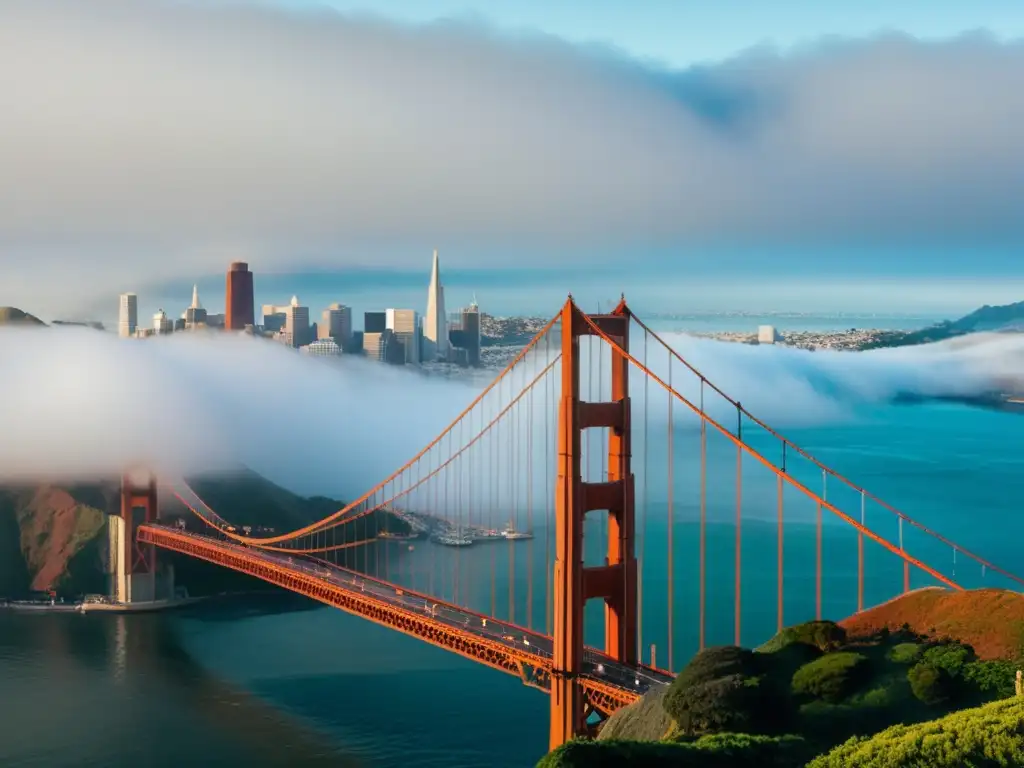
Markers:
(609, 684)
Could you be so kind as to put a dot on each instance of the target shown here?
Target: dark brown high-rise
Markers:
(238, 306)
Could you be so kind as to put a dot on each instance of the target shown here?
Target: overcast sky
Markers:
(142, 141)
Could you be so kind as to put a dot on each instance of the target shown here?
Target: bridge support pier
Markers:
(574, 583)
(134, 564)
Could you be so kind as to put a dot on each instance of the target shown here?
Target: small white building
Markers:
(766, 334)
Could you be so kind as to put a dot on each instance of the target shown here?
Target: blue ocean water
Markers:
(320, 687)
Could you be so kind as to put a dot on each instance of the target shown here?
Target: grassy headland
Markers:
(822, 694)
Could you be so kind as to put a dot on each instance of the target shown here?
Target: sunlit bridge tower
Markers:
(574, 584)
(435, 322)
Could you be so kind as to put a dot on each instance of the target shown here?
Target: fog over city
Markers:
(76, 403)
(145, 141)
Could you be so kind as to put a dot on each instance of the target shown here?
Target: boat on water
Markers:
(511, 534)
(452, 540)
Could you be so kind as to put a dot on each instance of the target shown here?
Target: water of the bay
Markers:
(260, 685)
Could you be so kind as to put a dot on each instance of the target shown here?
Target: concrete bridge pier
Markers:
(135, 574)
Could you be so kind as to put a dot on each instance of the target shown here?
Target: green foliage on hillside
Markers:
(822, 635)
(719, 751)
(989, 736)
(810, 684)
(56, 534)
(831, 677)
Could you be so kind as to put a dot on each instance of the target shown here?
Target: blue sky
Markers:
(864, 170)
(683, 32)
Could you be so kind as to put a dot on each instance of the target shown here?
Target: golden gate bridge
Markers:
(726, 523)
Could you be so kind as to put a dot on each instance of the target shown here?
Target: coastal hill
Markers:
(1008, 317)
(53, 536)
(14, 316)
(881, 678)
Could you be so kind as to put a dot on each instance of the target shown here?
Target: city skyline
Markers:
(396, 335)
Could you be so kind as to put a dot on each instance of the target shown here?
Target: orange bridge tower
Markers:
(133, 564)
(574, 583)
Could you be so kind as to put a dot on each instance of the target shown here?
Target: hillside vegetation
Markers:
(14, 316)
(54, 536)
(991, 621)
(815, 686)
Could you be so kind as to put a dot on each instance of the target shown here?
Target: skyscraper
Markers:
(405, 323)
(336, 323)
(195, 314)
(375, 322)
(471, 333)
(435, 323)
(238, 306)
(296, 326)
(128, 317)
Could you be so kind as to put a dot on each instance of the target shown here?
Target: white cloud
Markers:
(145, 139)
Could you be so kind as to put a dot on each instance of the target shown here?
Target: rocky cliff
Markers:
(53, 536)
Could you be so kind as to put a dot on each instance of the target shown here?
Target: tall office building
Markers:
(195, 315)
(296, 325)
(162, 323)
(405, 324)
(336, 323)
(435, 322)
(238, 307)
(375, 322)
(470, 326)
(128, 316)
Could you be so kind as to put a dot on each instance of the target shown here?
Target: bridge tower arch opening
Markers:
(135, 562)
(574, 583)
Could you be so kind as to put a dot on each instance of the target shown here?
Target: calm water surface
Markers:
(266, 686)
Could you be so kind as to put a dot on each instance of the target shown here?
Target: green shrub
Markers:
(949, 656)
(991, 679)
(824, 635)
(905, 653)
(930, 684)
(830, 678)
(720, 751)
(984, 737)
(732, 703)
(720, 661)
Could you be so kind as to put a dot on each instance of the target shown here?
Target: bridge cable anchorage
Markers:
(821, 465)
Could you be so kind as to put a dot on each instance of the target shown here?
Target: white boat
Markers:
(511, 534)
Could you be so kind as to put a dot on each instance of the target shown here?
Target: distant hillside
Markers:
(1008, 317)
(54, 535)
(14, 316)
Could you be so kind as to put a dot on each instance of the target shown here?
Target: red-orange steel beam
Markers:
(621, 635)
(567, 704)
(602, 696)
